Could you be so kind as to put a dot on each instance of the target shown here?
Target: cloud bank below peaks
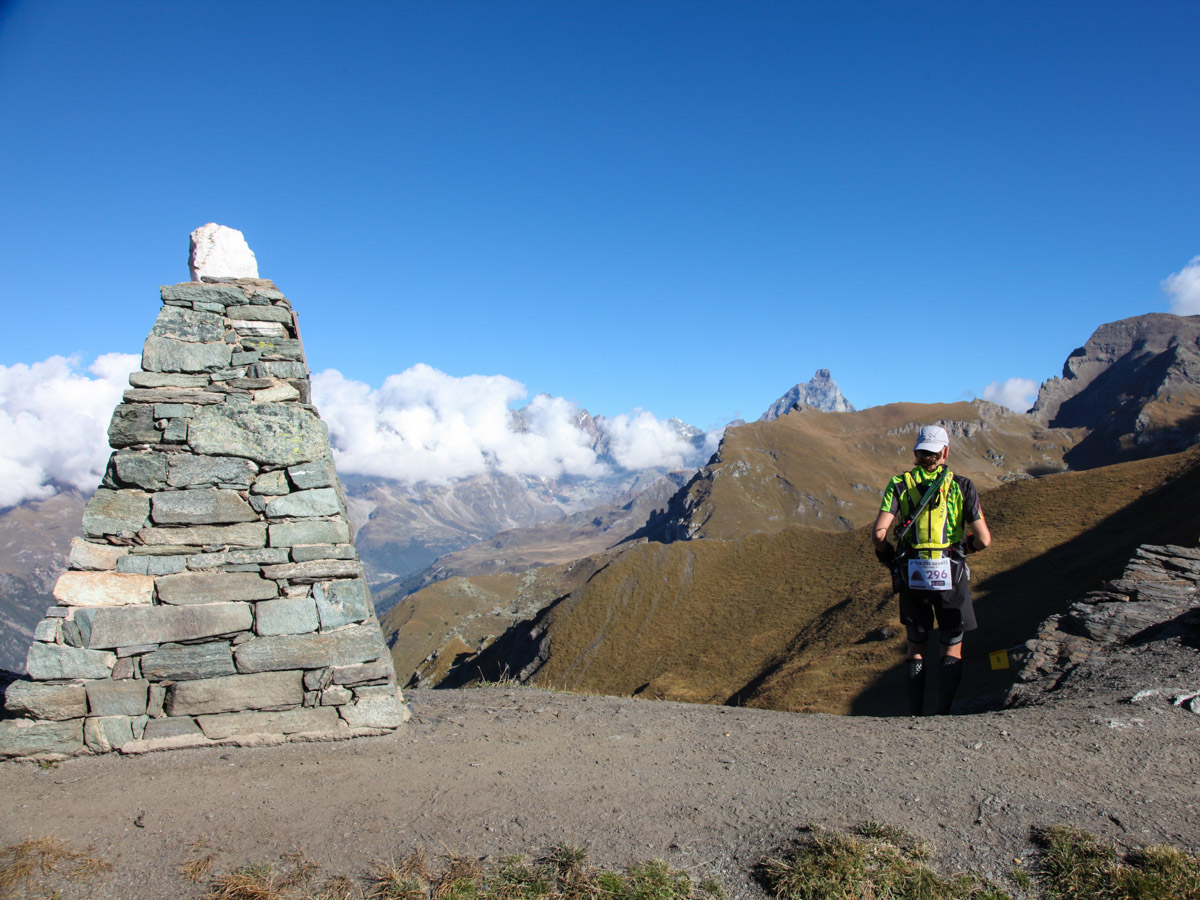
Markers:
(54, 424)
(423, 425)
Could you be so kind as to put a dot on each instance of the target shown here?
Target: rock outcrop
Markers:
(215, 595)
(1155, 599)
(1135, 385)
(820, 392)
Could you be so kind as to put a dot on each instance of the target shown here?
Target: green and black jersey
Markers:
(942, 524)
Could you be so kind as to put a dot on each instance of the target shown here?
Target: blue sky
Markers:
(680, 207)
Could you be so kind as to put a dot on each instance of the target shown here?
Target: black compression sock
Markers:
(916, 686)
(948, 680)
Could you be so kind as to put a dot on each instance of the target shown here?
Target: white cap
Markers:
(932, 438)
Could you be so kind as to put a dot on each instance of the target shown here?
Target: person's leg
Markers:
(918, 621)
(914, 669)
(955, 616)
(949, 672)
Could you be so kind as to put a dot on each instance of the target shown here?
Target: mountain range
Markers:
(750, 580)
(757, 585)
(407, 534)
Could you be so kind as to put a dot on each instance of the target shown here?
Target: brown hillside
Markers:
(825, 470)
(451, 620)
(792, 620)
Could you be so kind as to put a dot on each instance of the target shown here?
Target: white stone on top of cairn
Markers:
(221, 252)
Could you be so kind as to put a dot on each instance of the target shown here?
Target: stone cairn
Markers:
(215, 596)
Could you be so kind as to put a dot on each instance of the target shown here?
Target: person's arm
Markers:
(882, 523)
(981, 535)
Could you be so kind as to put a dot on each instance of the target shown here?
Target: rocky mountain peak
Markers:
(820, 392)
(1135, 384)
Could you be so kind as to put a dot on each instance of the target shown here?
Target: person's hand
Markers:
(971, 546)
(886, 553)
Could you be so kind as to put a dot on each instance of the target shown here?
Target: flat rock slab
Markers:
(103, 589)
(245, 534)
(200, 507)
(305, 504)
(315, 570)
(319, 720)
(189, 325)
(342, 602)
(188, 469)
(284, 434)
(117, 698)
(215, 587)
(40, 700)
(188, 662)
(23, 737)
(287, 615)
(133, 423)
(266, 690)
(164, 354)
(288, 534)
(145, 469)
(382, 710)
(111, 628)
(120, 513)
(94, 556)
(357, 644)
(58, 662)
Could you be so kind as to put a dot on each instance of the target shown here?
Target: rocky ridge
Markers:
(215, 595)
(1135, 385)
(1155, 600)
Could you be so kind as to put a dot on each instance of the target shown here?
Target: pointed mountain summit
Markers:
(821, 392)
(1135, 385)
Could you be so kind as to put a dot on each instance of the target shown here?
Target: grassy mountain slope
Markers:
(825, 470)
(451, 620)
(792, 620)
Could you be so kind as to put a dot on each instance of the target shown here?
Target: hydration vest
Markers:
(931, 530)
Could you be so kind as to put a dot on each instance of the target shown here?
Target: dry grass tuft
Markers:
(197, 869)
(37, 863)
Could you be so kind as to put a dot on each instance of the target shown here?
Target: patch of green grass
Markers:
(874, 863)
(1076, 865)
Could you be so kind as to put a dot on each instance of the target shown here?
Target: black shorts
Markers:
(952, 609)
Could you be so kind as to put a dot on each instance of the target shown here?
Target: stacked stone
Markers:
(215, 595)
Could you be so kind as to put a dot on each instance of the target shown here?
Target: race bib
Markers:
(929, 575)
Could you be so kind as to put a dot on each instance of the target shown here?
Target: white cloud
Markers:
(1018, 394)
(1184, 289)
(425, 425)
(54, 424)
(420, 425)
(640, 441)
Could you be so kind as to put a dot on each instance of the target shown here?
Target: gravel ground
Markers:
(493, 771)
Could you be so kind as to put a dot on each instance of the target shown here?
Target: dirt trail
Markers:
(496, 771)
